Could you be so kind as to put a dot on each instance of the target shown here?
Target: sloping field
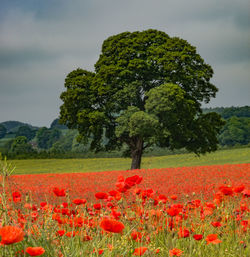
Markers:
(232, 156)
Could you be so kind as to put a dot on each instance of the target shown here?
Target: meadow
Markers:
(187, 211)
(233, 156)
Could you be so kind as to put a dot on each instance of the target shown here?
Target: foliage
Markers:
(20, 146)
(3, 131)
(12, 126)
(64, 143)
(236, 131)
(47, 137)
(116, 100)
(26, 131)
(228, 112)
(56, 125)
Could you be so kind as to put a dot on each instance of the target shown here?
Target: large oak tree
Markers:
(147, 89)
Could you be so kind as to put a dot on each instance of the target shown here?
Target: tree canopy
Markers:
(147, 88)
(3, 131)
(20, 146)
(26, 131)
(47, 137)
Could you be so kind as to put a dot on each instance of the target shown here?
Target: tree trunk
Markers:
(136, 154)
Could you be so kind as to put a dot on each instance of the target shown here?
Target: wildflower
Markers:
(163, 198)
(43, 204)
(97, 206)
(35, 251)
(213, 239)
(131, 181)
(79, 201)
(246, 192)
(100, 251)
(175, 252)
(140, 251)
(60, 232)
(173, 197)
(111, 225)
(116, 215)
(65, 205)
(183, 232)
(239, 189)
(244, 224)
(16, 196)
(136, 235)
(59, 192)
(101, 195)
(198, 237)
(157, 250)
(173, 211)
(71, 234)
(87, 238)
(11, 235)
(226, 190)
(216, 224)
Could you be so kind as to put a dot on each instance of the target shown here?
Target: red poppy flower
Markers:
(239, 189)
(100, 251)
(59, 192)
(71, 234)
(140, 251)
(16, 197)
(79, 201)
(198, 237)
(116, 214)
(60, 232)
(157, 250)
(163, 198)
(101, 195)
(173, 211)
(216, 224)
(183, 232)
(213, 239)
(111, 225)
(226, 190)
(136, 235)
(131, 181)
(175, 252)
(11, 235)
(113, 192)
(87, 238)
(97, 206)
(246, 192)
(43, 204)
(173, 197)
(35, 251)
(122, 188)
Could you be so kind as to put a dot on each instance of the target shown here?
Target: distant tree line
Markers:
(20, 140)
(237, 128)
(228, 112)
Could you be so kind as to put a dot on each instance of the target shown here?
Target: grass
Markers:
(232, 156)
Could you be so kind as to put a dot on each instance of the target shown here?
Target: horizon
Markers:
(48, 126)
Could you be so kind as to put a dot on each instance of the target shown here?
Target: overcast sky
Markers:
(41, 41)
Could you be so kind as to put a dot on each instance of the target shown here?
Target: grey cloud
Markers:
(40, 44)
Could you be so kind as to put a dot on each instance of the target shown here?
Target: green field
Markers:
(232, 156)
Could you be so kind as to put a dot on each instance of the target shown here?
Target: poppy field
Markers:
(182, 211)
